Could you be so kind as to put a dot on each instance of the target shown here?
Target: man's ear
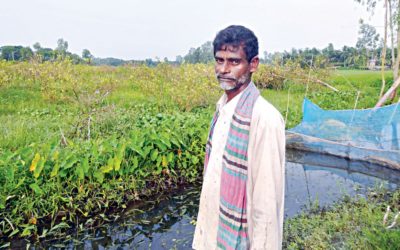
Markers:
(254, 64)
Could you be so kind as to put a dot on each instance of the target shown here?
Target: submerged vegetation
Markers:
(78, 142)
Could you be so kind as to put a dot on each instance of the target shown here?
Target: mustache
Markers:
(219, 77)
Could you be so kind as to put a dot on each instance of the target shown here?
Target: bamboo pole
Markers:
(383, 52)
(326, 85)
(388, 93)
(397, 63)
(391, 33)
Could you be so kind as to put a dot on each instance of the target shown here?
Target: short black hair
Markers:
(237, 35)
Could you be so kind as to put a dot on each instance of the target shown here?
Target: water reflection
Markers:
(167, 223)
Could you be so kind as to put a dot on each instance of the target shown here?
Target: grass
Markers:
(351, 224)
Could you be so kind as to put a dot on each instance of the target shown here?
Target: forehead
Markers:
(228, 50)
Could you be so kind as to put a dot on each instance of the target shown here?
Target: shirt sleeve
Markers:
(268, 176)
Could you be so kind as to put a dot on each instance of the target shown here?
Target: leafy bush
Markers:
(50, 182)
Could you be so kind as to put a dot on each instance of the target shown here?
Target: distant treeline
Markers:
(20, 53)
(38, 53)
(365, 54)
(346, 57)
(359, 57)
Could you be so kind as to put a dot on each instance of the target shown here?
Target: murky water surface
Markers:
(168, 223)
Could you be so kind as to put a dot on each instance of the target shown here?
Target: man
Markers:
(241, 203)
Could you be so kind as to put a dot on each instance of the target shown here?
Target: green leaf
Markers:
(20, 182)
(13, 233)
(10, 156)
(160, 145)
(170, 157)
(137, 150)
(147, 151)
(195, 159)
(10, 174)
(55, 170)
(175, 142)
(2, 202)
(154, 154)
(34, 162)
(7, 245)
(117, 163)
(121, 151)
(79, 172)
(109, 167)
(159, 159)
(85, 165)
(70, 163)
(159, 169)
(165, 138)
(119, 156)
(99, 176)
(59, 226)
(35, 187)
(135, 164)
(106, 169)
(164, 161)
(39, 168)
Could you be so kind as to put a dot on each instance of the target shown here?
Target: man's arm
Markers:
(268, 179)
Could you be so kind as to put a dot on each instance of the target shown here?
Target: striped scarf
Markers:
(232, 227)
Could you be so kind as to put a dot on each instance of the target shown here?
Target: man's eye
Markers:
(218, 60)
(235, 62)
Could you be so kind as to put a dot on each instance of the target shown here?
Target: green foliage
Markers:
(352, 224)
(159, 148)
(15, 53)
(202, 54)
(381, 238)
(78, 140)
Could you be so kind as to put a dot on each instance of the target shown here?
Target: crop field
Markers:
(78, 142)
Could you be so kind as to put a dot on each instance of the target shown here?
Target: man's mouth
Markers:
(226, 79)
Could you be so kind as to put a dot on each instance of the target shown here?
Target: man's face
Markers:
(232, 68)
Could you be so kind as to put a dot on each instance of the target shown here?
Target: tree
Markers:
(367, 40)
(15, 53)
(37, 46)
(62, 48)
(46, 54)
(87, 56)
(179, 59)
(10, 53)
(149, 62)
(26, 53)
(202, 54)
(393, 7)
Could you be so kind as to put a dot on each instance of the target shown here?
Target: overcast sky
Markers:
(133, 29)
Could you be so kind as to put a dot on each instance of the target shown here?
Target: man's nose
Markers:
(225, 68)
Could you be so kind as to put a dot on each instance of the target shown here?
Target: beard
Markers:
(232, 83)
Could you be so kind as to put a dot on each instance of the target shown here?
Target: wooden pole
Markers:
(383, 51)
(388, 93)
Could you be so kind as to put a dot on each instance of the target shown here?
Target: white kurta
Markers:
(265, 184)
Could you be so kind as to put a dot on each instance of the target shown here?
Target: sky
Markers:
(139, 29)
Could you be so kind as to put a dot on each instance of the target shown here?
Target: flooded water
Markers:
(168, 223)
